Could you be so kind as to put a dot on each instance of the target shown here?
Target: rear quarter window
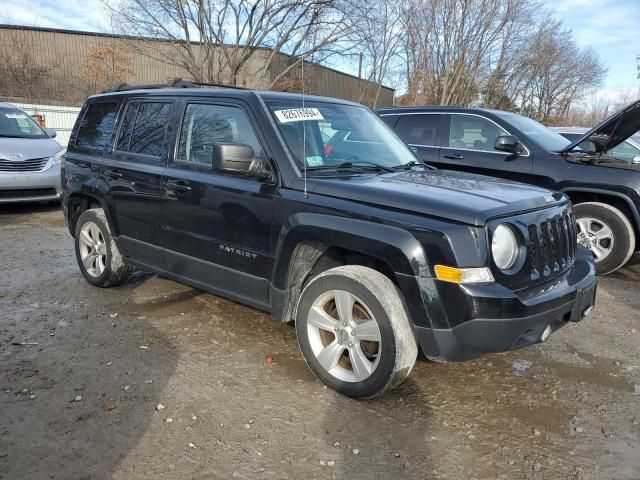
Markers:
(97, 125)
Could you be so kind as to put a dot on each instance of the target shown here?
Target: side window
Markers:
(473, 133)
(418, 129)
(205, 125)
(143, 128)
(624, 148)
(96, 126)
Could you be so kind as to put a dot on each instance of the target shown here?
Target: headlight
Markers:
(504, 247)
(57, 158)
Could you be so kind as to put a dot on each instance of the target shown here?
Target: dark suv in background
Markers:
(604, 190)
(244, 194)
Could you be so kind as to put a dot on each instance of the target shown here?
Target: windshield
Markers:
(322, 135)
(541, 135)
(15, 123)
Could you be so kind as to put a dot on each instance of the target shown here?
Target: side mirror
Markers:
(51, 132)
(635, 159)
(232, 157)
(509, 144)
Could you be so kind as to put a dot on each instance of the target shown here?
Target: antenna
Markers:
(304, 138)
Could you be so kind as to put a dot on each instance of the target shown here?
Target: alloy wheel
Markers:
(596, 235)
(93, 249)
(344, 336)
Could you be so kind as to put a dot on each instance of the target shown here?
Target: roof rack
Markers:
(175, 83)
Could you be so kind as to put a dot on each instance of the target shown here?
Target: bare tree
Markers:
(106, 66)
(378, 33)
(214, 40)
(21, 74)
(508, 54)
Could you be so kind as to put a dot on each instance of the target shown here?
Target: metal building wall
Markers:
(64, 53)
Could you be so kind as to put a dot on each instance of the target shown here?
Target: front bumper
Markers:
(30, 186)
(513, 320)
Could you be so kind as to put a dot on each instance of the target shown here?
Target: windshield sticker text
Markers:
(298, 115)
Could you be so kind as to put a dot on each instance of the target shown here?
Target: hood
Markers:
(613, 131)
(19, 149)
(461, 197)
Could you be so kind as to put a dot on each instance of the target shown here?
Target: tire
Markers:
(96, 252)
(330, 353)
(607, 232)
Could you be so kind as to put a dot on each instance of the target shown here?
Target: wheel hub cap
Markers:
(595, 235)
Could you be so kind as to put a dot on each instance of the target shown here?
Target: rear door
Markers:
(423, 133)
(469, 146)
(216, 225)
(133, 170)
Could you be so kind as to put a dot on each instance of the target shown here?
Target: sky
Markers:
(610, 27)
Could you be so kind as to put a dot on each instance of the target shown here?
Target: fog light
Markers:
(587, 311)
(545, 333)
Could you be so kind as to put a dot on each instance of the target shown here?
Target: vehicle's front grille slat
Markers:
(552, 245)
(33, 165)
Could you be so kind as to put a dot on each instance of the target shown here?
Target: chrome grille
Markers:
(552, 245)
(33, 165)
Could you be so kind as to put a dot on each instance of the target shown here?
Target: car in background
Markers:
(604, 189)
(29, 158)
(628, 151)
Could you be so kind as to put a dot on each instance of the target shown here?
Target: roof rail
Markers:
(175, 83)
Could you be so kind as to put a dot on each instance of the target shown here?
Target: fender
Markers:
(394, 246)
(626, 198)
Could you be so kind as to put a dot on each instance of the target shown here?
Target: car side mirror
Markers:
(635, 159)
(232, 157)
(509, 144)
(51, 132)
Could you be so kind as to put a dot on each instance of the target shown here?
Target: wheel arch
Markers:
(312, 243)
(79, 202)
(616, 199)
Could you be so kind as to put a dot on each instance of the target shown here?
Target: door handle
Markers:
(179, 187)
(113, 173)
(454, 156)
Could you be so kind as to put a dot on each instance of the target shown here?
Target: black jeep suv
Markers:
(243, 194)
(604, 190)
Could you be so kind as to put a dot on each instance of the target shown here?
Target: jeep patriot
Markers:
(313, 209)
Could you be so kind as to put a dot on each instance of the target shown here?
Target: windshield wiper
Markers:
(414, 163)
(352, 165)
(10, 136)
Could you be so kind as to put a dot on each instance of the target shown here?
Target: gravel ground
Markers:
(156, 380)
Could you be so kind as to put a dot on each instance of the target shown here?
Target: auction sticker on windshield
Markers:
(298, 115)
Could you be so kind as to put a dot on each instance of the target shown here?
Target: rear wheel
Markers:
(607, 232)
(98, 256)
(354, 332)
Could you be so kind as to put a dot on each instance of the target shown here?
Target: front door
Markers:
(216, 225)
(469, 147)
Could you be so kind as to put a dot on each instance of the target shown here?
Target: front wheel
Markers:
(607, 232)
(354, 333)
(97, 253)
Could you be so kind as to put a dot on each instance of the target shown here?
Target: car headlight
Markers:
(504, 247)
(57, 158)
